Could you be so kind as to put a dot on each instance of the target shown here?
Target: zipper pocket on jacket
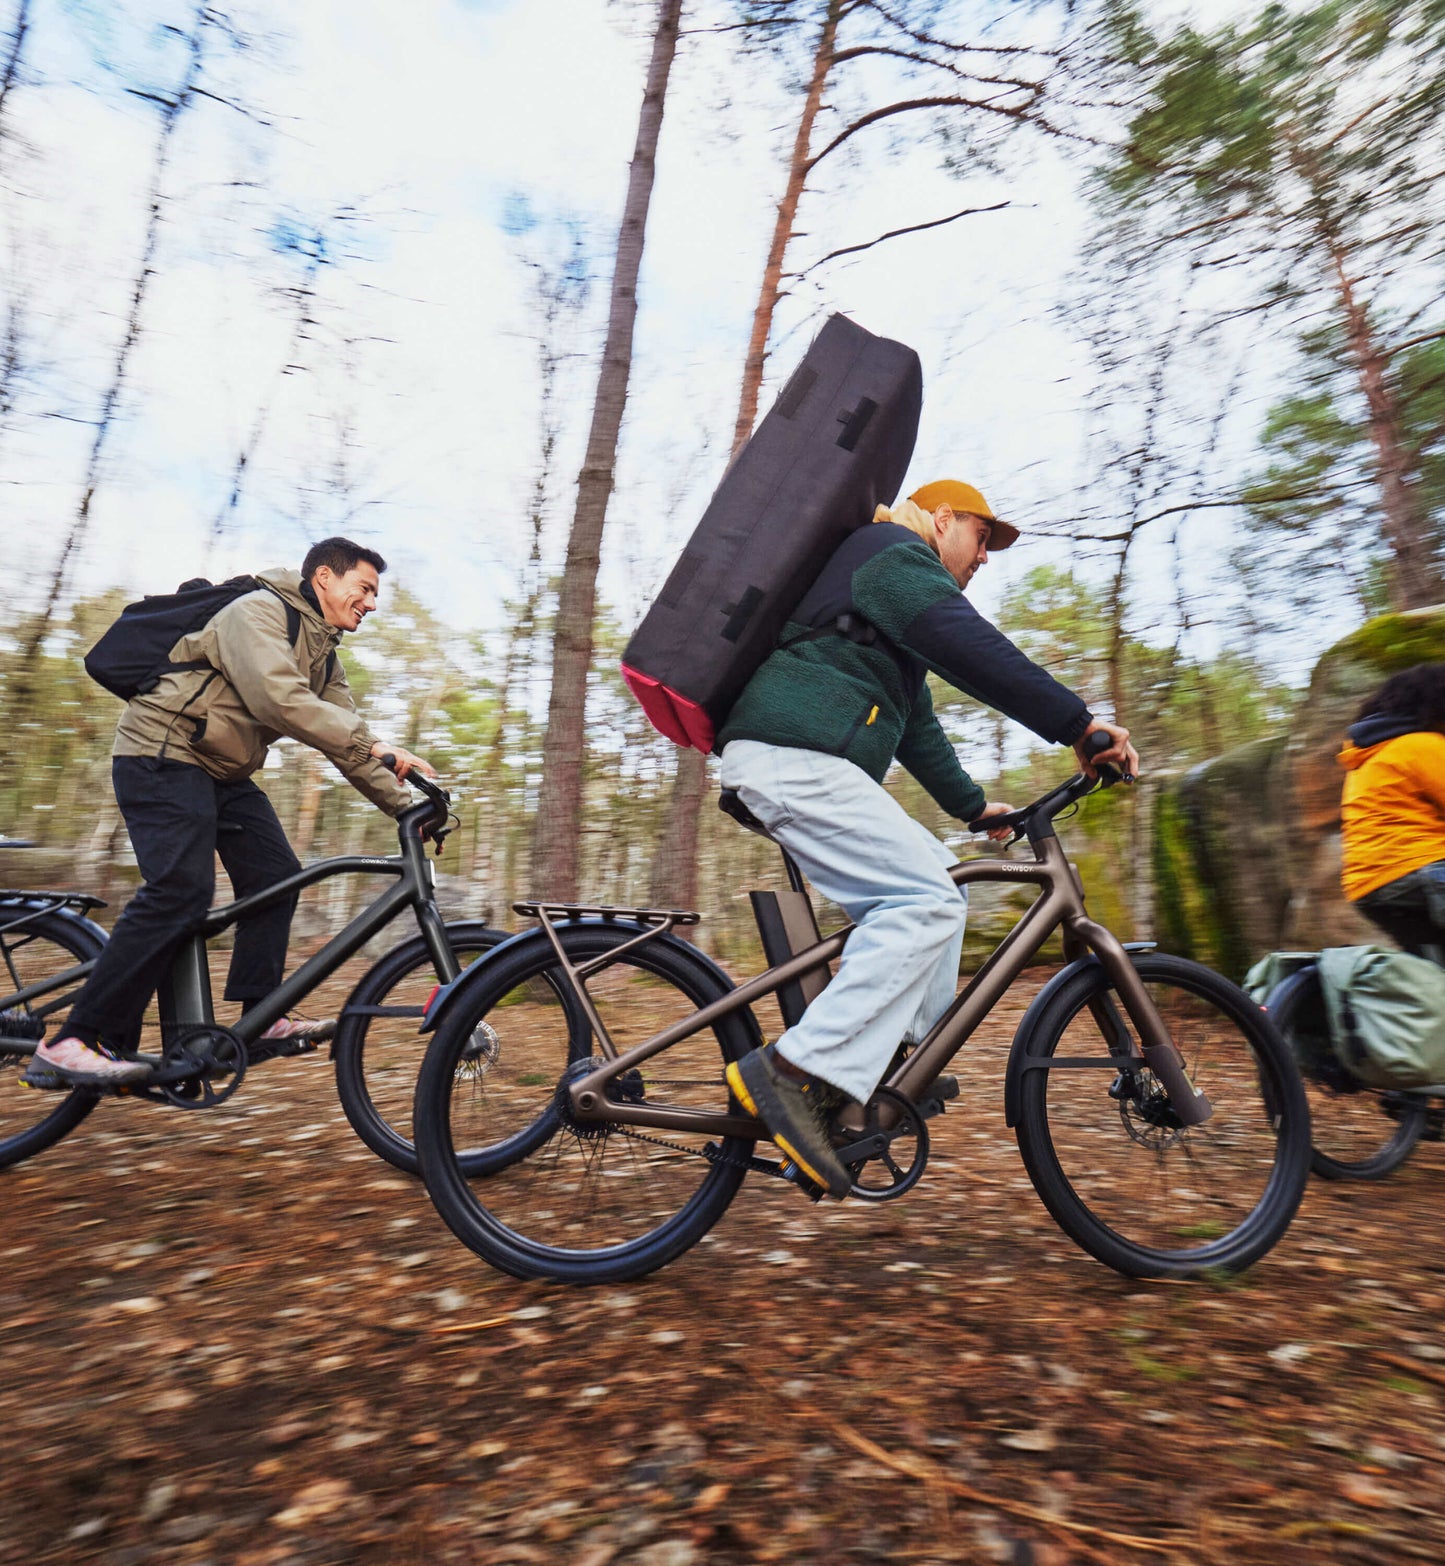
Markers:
(864, 720)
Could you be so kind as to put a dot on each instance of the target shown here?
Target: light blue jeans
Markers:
(863, 851)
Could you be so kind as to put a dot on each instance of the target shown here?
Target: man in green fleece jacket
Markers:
(181, 765)
(806, 747)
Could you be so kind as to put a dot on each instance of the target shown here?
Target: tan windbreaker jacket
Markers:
(257, 687)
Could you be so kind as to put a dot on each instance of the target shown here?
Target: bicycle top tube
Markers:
(414, 827)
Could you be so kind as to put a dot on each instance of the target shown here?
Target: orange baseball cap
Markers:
(965, 498)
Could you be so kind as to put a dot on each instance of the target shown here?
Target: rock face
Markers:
(1246, 847)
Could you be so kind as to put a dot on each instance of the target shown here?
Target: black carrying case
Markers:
(834, 447)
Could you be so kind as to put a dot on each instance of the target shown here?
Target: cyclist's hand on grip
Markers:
(1120, 753)
(998, 834)
(401, 760)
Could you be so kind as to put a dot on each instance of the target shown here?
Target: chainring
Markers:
(890, 1123)
(200, 1069)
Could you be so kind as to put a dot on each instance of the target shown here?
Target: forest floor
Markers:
(236, 1338)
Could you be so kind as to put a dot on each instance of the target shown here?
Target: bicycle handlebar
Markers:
(1047, 806)
(437, 796)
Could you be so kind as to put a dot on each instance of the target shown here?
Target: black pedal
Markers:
(790, 1171)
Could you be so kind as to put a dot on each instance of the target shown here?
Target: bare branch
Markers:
(895, 233)
(930, 42)
(1412, 342)
(1024, 116)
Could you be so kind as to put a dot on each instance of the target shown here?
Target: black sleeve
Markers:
(925, 751)
(960, 646)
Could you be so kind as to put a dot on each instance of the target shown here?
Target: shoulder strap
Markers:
(293, 631)
(856, 629)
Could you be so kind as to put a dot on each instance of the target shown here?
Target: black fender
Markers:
(1023, 1035)
(61, 911)
(449, 995)
(445, 995)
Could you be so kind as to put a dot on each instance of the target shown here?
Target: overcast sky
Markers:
(436, 144)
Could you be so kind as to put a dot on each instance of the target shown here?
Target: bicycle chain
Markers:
(709, 1154)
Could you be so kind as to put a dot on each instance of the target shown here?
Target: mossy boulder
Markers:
(1246, 847)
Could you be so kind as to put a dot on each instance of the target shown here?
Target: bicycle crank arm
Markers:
(865, 1147)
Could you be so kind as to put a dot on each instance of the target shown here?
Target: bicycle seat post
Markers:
(184, 995)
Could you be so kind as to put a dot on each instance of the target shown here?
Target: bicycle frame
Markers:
(1060, 903)
(185, 998)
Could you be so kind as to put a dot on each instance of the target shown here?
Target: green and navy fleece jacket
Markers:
(870, 702)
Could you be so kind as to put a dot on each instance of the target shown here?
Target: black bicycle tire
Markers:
(1283, 1099)
(494, 1241)
(66, 1111)
(469, 938)
(1408, 1126)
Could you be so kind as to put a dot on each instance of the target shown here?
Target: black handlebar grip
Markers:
(1109, 774)
(388, 761)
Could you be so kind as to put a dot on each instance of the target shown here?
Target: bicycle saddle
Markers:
(730, 805)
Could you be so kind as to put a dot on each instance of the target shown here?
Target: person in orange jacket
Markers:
(1393, 809)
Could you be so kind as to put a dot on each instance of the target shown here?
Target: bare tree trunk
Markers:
(308, 807)
(673, 882)
(10, 73)
(1415, 581)
(557, 838)
(171, 111)
(798, 166)
(13, 332)
(674, 868)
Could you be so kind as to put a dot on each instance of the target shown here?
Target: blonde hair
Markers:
(912, 516)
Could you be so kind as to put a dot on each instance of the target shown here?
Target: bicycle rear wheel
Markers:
(1356, 1133)
(379, 1044)
(1145, 1195)
(32, 950)
(570, 1202)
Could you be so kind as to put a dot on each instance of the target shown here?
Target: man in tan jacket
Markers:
(184, 753)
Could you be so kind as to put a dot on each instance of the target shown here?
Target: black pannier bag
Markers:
(834, 447)
(132, 656)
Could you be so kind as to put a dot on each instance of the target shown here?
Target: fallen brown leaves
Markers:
(279, 1357)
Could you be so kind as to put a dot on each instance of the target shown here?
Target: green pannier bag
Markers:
(1309, 1032)
(1387, 1015)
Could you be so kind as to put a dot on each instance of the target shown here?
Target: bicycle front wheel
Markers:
(1123, 1179)
(379, 1045)
(37, 950)
(578, 1203)
(1356, 1133)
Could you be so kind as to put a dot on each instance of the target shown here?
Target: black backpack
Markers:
(134, 654)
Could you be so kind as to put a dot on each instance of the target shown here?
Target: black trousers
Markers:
(1411, 910)
(179, 818)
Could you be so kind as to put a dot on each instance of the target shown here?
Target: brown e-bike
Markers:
(1160, 1116)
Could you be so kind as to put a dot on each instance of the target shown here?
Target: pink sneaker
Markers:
(290, 1036)
(309, 1031)
(69, 1063)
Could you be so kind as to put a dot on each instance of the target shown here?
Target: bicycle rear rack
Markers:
(649, 916)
